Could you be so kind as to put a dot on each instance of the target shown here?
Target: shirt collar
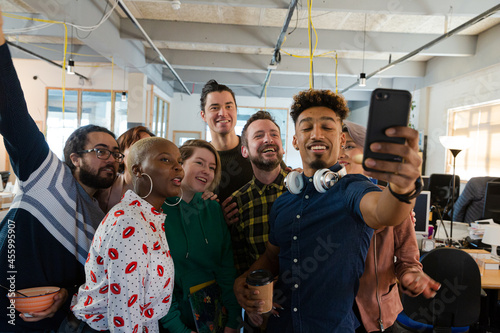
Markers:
(278, 182)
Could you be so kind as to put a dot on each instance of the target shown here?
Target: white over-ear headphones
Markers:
(323, 180)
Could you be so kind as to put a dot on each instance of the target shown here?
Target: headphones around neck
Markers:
(323, 180)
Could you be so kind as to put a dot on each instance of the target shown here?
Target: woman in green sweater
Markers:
(199, 240)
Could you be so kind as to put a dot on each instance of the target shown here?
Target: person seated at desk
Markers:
(469, 205)
(378, 303)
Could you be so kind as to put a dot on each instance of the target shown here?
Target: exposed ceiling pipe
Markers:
(162, 58)
(276, 54)
(467, 24)
(42, 58)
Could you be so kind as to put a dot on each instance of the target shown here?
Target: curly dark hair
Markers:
(77, 140)
(210, 87)
(314, 97)
(259, 115)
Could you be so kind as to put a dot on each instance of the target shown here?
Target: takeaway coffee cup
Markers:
(262, 280)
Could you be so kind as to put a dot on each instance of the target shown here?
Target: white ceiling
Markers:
(233, 41)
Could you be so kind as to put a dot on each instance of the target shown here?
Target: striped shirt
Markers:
(52, 220)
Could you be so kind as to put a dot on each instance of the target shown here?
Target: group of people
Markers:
(127, 227)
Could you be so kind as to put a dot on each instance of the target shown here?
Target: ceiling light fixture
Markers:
(362, 75)
(176, 5)
(362, 79)
(124, 93)
(71, 64)
(71, 67)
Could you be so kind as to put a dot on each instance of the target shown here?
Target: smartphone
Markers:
(388, 108)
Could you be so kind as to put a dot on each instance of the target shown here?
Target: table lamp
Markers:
(455, 144)
(492, 237)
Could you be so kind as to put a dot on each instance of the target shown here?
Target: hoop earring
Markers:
(178, 201)
(150, 188)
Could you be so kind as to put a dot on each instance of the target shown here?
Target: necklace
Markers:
(175, 204)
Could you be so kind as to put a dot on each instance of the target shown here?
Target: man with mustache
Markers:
(46, 235)
(318, 241)
(262, 146)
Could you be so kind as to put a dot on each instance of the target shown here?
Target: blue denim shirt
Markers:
(323, 243)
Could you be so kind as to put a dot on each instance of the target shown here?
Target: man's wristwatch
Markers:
(408, 196)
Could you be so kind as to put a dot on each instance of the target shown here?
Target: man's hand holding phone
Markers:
(401, 175)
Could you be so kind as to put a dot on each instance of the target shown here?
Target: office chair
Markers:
(491, 200)
(457, 302)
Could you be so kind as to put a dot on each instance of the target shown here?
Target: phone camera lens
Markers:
(382, 96)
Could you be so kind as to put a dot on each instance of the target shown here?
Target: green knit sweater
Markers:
(200, 246)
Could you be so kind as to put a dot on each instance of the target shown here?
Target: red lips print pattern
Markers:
(133, 240)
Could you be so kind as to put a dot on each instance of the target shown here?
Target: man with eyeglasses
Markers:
(46, 235)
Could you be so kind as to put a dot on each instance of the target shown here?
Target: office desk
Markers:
(491, 279)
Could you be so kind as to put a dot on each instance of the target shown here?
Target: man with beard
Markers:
(318, 241)
(46, 235)
(262, 146)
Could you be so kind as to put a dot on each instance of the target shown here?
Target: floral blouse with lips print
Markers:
(129, 271)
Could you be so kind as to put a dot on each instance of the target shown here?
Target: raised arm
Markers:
(385, 208)
(2, 38)
(25, 144)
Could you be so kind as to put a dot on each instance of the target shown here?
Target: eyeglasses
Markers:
(103, 154)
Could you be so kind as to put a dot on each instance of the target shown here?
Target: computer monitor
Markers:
(422, 209)
(491, 202)
(425, 184)
(441, 196)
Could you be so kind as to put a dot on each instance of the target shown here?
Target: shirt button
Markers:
(307, 197)
(295, 309)
(295, 260)
(296, 286)
(310, 180)
(298, 216)
(294, 237)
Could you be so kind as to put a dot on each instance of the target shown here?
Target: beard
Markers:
(265, 164)
(92, 179)
(318, 164)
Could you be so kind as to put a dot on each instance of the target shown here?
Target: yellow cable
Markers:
(14, 16)
(309, 5)
(336, 75)
(64, 71)
(112, 71)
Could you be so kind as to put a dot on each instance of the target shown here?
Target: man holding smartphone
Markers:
(318, 241)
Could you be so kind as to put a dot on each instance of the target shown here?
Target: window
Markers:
(481, 123)
(161, 109)
(279, 115)
(59, 125)
(82, 107)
